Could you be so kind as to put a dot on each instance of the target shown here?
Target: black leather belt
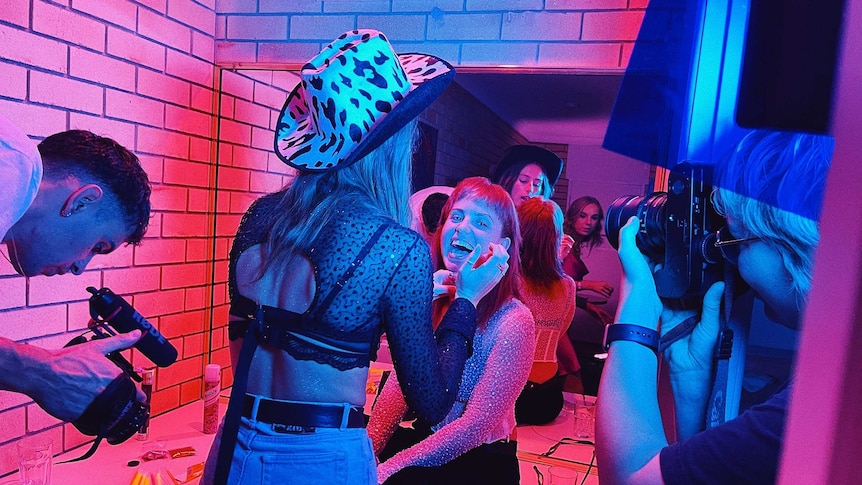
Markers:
(302, 415)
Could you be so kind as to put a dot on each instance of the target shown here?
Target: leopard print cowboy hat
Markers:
(355, 94)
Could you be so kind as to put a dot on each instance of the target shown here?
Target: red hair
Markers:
(541, 223)
(499, 202)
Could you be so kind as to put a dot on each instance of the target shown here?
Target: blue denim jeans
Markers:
(328, 455)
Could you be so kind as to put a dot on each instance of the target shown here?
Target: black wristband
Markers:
(633, 333)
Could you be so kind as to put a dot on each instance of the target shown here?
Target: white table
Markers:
(182, 427)
(109, 465)
(533, 441)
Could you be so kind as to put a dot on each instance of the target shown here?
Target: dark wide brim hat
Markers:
(551, 164)
(355, 94)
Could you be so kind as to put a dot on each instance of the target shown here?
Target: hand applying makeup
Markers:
(479, 274)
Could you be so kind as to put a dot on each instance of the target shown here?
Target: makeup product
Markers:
(212, 387)
(148, 376)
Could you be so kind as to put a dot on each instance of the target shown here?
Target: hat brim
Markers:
(308, 151)
(550, 163)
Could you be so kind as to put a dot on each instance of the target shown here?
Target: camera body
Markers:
(677, 229)
(116, 414)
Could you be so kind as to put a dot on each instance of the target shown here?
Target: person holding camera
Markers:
(583, 226)
(74, 196)
(770, 236)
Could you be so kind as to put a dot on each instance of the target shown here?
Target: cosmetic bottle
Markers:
(212, 388)
(148, 376)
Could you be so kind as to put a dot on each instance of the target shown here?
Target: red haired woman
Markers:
(472, 443)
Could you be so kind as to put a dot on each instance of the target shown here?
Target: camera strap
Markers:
(89, 452)
(716, 413)
(112, 415)
(233, 415)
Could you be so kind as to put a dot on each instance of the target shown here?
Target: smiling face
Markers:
(587, 220)
(470, 223)
(528, 184)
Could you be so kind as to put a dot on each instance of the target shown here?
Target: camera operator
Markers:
(772, 246)
(92, 197)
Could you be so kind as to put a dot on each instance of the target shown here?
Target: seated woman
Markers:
(472, 444)
(550, 296)
(583, 224)
(319, 270)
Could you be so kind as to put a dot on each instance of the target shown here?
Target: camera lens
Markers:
(650, 211)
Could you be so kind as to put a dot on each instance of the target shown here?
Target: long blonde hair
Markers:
(380, 182)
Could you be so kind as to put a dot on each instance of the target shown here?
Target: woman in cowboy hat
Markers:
(321, 269)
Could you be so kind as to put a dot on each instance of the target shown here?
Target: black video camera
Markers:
(116, 414)
(677, 229)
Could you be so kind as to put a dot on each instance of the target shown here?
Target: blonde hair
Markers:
(380, 182)
(772, 184)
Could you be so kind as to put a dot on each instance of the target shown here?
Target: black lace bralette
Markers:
(343, 328)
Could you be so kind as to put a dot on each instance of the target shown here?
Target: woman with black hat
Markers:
(528, 171)
(321, 269)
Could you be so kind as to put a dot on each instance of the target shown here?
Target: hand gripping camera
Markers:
(116, 414)
(677, 229)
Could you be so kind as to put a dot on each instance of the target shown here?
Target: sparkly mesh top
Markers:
(484, 411)
(388, 290)
(553, 309)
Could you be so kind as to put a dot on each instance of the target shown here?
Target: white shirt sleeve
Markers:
(20, 173)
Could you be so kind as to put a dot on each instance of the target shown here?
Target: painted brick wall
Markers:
(546, 33)
(249, 103)
(141, 73)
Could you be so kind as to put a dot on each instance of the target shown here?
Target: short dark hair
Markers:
(82, 153)
(431, 210)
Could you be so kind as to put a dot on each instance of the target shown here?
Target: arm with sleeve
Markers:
(500, 380)
(428, 373)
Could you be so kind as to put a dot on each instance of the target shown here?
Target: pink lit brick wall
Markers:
(141, 73)
(249, 105)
